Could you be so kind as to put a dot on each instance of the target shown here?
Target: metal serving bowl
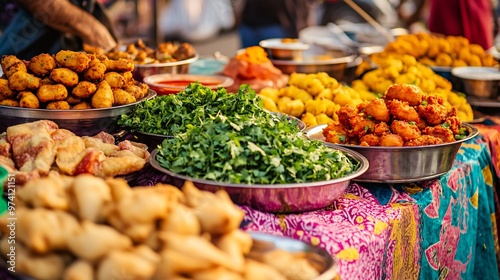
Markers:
(319, 257)
(481, 82)
(81, 122)
(402, 164)
(280, 198)
(177, 67)
(276, 48)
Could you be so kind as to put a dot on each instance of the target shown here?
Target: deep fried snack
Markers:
(433, 110)
(28, 100)
(103, 97)
(424, 140)
(369, 140)
(381, 128)
(348, 116)
(258, 270)
(11, 64)
(92, 195)
(23, 81)
(125, 265)
(377, 110)
(81, 106)
(84, 89)
(73, 100)
(5, 91)
(48, 93)
(438, 131)
(47, 81)
(128, 76)
(401, 110)
(43, 230)
(119, 65)
(391, 140)
(79, 270)
(9, 102)
(58, 105)
(406, 130)
(42, 64)
(362, 127)
(114, 79)
(405, 92)
(43, 267)
(49, 192)
(122, 97)
(94, 241)
(75, 61)
(138, 91)
(64, 76)
(335, 133)
(96, 70)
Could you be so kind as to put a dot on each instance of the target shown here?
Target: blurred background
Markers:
(211, 26)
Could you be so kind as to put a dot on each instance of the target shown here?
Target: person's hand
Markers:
(99, 36)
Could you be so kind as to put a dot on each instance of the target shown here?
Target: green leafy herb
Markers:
(250, 147)
(412, 123)
(445, 125)
(424, 103)
(367, 128)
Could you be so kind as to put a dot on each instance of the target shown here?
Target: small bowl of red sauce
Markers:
(174, 83)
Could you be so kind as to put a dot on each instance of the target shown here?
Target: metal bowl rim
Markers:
(338, 60)
(225, 81)
(458, 72)
(327, 274)
(151, 94)
(292, 46)
(165, 64)
(473, 132)
(357, 156)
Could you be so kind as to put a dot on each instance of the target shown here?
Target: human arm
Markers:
(62, 15)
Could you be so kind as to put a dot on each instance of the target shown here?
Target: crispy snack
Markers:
(69, 79)
(47, 93)
(41, 65)
(406, 116)
(28, 100)
(21, 80)
(11, 64)
(103, 97)
(64, 76)
(75, 61)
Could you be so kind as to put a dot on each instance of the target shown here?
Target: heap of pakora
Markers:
(68, 80)
(86, 227)
(140, 53)
(32, 150)
(405, 116)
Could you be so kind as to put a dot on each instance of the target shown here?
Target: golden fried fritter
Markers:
(424, 140)
(362, 127)
(122, 97)
(58, 105)
(405, 92)
(48, 93)
(406, 130)
(64, 76)
(5, 91)
(438, 131)
(454, 124)
(391, 140)
(369, 140)
(11, 64)
(81, 106)
(103, 97)
(139, 91)
(432, 110)
(28, 100)
(42, 64)
(84, 89)
(381, 129)
(96, 70)
(377, 110)
(23, 81)
(73, 100)
(114, 79)
(75, 61)
(120, 65)
(335, 133)
(402, 111)
(9, 102)
(348, 116)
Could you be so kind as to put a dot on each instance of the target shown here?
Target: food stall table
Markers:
(444, 227)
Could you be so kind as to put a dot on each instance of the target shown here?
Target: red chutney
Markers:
(185, 83)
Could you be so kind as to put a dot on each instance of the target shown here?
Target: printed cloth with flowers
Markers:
(438, 229)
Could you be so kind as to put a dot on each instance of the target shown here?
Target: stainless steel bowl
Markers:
(318, 59)
(81, 122)
(280, 198)
(481, 82)
(177, 67)
(318, 256)
(402, 164)
(277, 49)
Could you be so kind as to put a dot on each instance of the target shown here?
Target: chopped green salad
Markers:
(231, 138)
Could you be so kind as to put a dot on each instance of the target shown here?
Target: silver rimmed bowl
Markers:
(81, 122)
(402, 164)
(319, 257)
(176, 67)
(278, 198)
